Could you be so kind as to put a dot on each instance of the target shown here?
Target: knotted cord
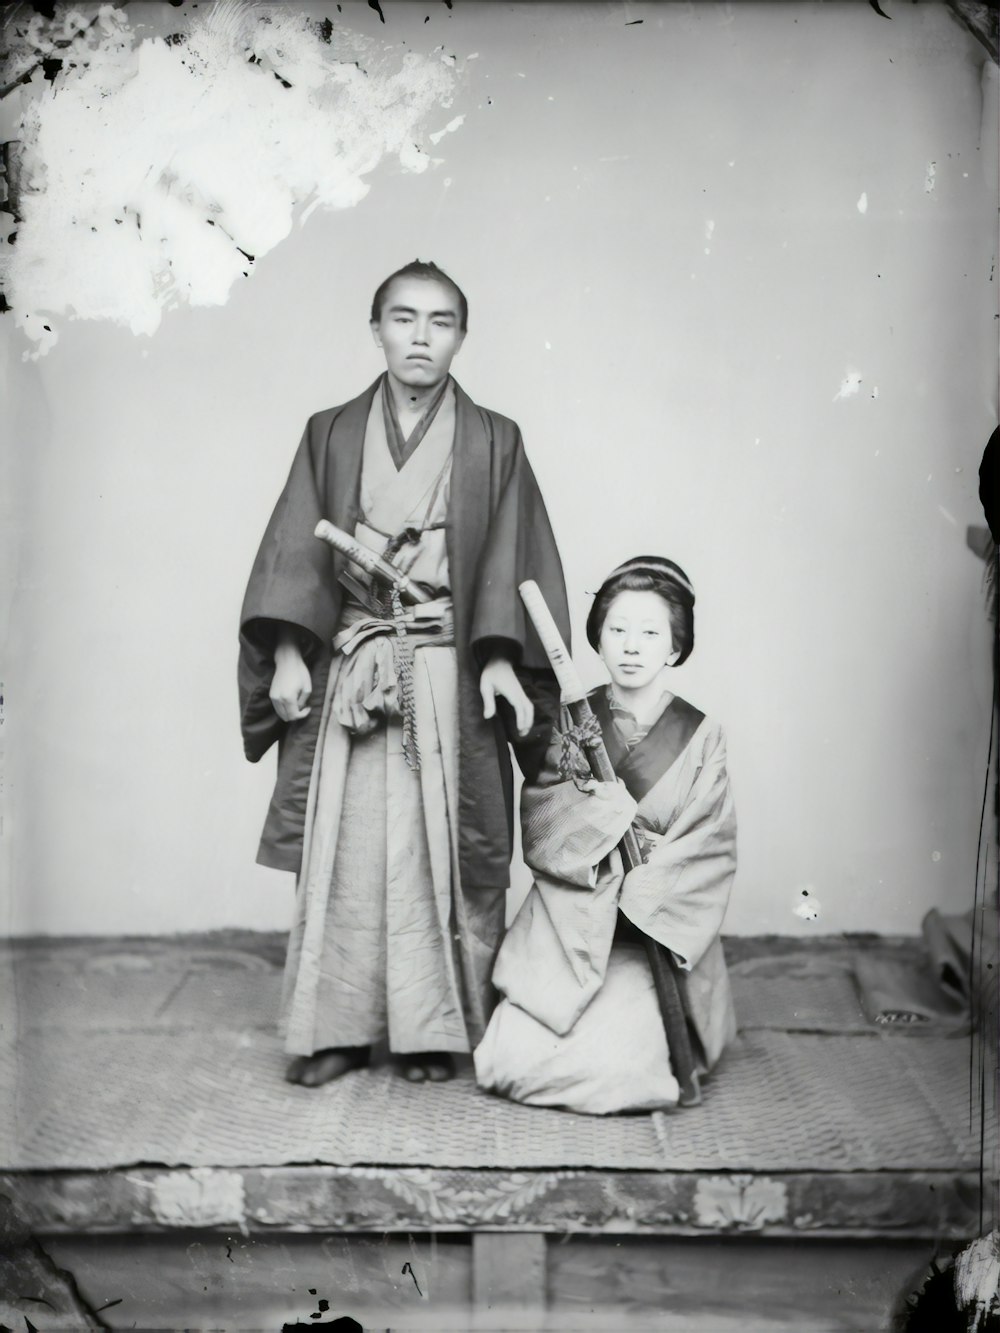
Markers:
(408, 537)
(573, 742)
(403, 653)
(388, 603)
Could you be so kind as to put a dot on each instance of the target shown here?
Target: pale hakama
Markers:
(580, 1025)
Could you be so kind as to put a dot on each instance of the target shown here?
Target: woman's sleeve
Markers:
(567, 830)
(680, 894)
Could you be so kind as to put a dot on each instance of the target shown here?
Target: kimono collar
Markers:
(400, 448)
(642, 766)
(623, 714)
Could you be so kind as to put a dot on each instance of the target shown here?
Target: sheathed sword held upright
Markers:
(667, 978)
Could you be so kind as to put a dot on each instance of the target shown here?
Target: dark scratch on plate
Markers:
(408, 1268)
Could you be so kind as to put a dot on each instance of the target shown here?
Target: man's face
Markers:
(419, 331)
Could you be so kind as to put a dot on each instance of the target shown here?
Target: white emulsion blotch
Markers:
(849, 385)
(212, 155)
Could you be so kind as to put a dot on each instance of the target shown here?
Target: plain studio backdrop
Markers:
(730, 268)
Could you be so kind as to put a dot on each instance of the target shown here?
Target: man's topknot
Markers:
(427, 272)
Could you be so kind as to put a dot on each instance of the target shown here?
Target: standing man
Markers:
(393, 802)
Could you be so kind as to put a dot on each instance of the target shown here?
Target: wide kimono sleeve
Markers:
(680, 894)
(568, 827)
(520, 545)
(291, 583)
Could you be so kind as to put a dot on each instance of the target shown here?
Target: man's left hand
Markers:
(500, 681)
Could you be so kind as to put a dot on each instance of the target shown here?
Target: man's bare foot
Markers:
(432, 1066)
(312, 1071)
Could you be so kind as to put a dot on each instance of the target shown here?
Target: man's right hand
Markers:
(291, 684)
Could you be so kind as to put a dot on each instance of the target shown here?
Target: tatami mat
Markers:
(798, 992)
(123, 990)
(172, 1058)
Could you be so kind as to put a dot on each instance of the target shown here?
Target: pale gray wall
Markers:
(677, 386)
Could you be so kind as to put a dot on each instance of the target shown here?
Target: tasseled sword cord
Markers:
(404, 671)
(573, 742)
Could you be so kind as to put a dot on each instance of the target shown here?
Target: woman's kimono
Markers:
(580, 1025)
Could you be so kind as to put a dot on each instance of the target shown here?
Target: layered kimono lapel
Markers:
(400, 449)
(291, 577)
(642, 767)
(469, 508)
(394, 497)
(342, 483)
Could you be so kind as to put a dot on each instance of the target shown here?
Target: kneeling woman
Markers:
(580, 1024)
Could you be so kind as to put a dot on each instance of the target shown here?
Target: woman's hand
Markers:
(499, 680)
(291, 684)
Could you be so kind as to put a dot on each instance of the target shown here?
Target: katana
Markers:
(371, 562)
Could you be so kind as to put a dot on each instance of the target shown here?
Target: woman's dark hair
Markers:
(649, 573)
(428, 272)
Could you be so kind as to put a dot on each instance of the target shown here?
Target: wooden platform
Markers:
(159, 1158)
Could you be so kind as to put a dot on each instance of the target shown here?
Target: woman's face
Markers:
(636, 641)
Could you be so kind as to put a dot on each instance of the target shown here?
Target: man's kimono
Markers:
(580, 1027)
(370, 824)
